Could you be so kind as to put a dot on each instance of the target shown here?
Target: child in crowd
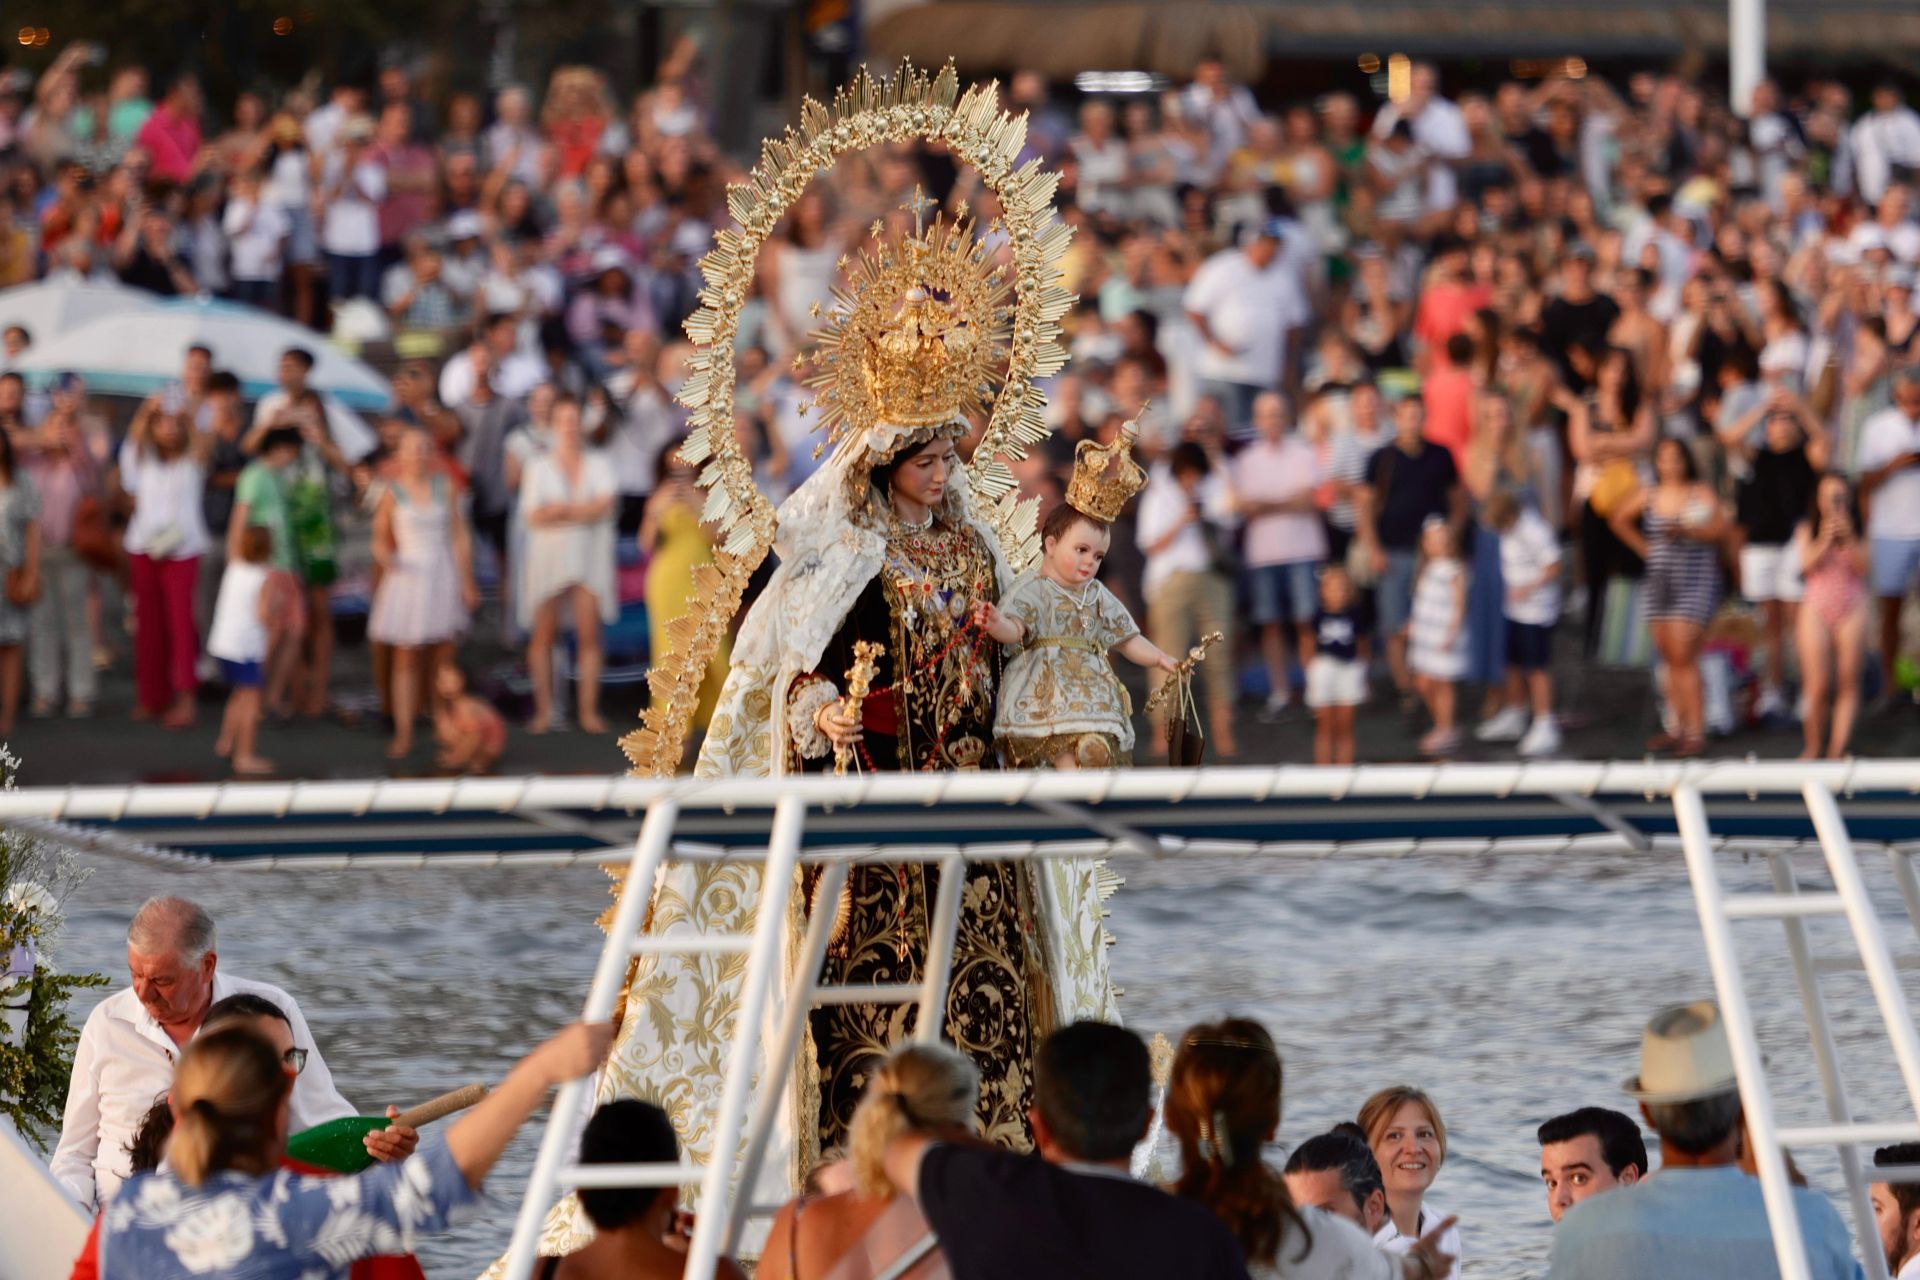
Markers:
(238, 638)
(1530, 568)
(1437, 633)
(469, 731)
(1336, 677)
(1833, 614)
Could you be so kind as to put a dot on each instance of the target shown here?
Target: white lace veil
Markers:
(829, 551)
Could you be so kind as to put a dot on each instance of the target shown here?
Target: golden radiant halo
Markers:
(866, 113)
(916, 338)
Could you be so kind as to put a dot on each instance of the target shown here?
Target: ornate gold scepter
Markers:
(1183, 672)
(866, 654)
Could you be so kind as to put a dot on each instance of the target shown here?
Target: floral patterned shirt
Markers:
(284, 1225)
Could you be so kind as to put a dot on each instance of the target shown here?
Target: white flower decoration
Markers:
(29, 896)
(213, 1236)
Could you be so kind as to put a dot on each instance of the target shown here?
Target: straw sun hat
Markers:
(1684, 1055)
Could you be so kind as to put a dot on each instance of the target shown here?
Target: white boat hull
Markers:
(42, 1227)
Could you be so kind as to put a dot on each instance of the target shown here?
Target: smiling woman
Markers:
(1409, 1139)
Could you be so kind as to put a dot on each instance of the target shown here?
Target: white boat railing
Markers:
(725, 1190)
(1071, 804)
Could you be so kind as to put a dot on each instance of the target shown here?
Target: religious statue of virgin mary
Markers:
(867, 648)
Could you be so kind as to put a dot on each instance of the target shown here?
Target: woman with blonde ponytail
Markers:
(221, 1207)
(860, 1233)
(229, 1101)
(1223, 1107)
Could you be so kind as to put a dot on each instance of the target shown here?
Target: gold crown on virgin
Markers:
(918, 338)
(1105, 476)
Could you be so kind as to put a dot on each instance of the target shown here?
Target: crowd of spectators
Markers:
(1430, 384)
(916, 1190)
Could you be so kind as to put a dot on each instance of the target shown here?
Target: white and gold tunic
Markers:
(1061, 683)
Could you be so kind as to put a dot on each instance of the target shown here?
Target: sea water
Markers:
(1510, 988)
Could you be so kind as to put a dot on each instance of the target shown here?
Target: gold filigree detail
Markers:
(917, 337)
(870, 111)
(1105, 476)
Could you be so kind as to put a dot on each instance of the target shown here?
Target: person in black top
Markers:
(1336, 674)
(1780, 477)
(1579, 320)
(1074, 1211)
(1406, 482)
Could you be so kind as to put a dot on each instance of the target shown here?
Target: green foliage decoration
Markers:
(37, 1037)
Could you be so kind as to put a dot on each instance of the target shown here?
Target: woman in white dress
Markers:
(1409, 1141)
(426, 592)
(797, 271)
(1223, 1107)
(567, 499)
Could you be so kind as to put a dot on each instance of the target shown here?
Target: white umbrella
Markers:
(49, 310)
(137, 352)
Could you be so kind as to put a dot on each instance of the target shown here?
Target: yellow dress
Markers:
(681, 545)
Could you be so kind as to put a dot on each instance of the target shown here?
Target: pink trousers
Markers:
(166, 646)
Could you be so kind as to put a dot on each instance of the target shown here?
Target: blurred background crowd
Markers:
(1508, 375)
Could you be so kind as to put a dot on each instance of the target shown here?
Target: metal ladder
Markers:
(725, 1205)
(1791, 907)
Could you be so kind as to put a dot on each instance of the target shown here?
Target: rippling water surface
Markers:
(1511, 989)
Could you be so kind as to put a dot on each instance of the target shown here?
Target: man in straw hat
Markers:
(1699, 1216)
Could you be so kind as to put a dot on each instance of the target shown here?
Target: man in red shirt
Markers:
(171, 135)
(1448, 396)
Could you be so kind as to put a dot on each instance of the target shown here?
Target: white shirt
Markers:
(1161, 508)
(1441, 130)
(512, 378)
(287, 181)
(237, 633)
(322, 125)
(1895, 505)
(1390, 1240)
(647, 425)
(1527, 551)
(1882, 139)
(254, 230)
(124, 1063)
(168, 522)
(353, 217)
(1910, 1269)
(1341, 1251)
(1250, 311)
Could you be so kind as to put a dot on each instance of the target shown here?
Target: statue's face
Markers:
(922, 477)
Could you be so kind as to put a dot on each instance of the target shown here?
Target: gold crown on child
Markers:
(1105, 476)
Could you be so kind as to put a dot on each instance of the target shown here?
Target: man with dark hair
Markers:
(1336, 1171)
(1076, 1211)
(275, 409)
(1701, 1216)
(1896, 1210)
(1585, 1152)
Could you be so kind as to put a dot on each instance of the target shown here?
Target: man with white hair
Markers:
(125, 1059)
